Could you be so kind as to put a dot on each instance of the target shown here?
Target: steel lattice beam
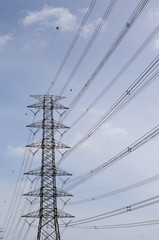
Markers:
(48, 213)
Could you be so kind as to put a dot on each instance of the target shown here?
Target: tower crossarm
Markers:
(39, 124)
(40, 105)
(47, 97)
(39, 144)
(37, 192)
(48, 214)
(58, 172)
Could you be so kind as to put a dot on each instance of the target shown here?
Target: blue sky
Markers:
(31, 50)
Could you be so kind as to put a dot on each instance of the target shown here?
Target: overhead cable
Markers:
(114, 80)
(114, 226)
(15, 201)
(20, 184)
(142, 204)
(141, 141)
(89, 44)
(90, 8)
(147, 77)
(118, 191)
(108, 54)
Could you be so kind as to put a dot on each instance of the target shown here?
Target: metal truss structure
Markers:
(48, 192)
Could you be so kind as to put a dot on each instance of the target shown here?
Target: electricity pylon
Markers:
(48, 192)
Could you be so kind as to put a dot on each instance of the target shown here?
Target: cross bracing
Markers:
(48, 213)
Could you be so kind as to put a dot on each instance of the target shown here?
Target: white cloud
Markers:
(109, 131)
(153, 13)
(84, 10)
(143, 235)
(40, 44)
(95, 114)
(51, 17)
(15, 151)
(108, 135)
(153, 16)
(4, 39)
(90, 27)
(155, 45)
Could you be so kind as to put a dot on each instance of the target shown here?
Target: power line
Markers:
(89, 44)
(118, 191)
(90, 9)
(108, 54)
(15, 202)
(142, 204)
(141, 141)
(126, 225)
(114, 80)
(16, 198)
(153, 76)
(24, 209)
(138, 86)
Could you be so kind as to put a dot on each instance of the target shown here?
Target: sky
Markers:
(34, 38)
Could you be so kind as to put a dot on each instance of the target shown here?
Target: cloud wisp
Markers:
(4, 39)
(51, 17)
(153, 14)
(155, 46)
(15, 151)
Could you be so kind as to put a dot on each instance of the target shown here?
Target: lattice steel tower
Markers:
(48, 213)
